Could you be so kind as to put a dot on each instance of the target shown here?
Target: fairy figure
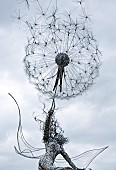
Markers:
(54, 142)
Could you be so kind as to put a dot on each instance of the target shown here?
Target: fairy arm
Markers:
(48, 122)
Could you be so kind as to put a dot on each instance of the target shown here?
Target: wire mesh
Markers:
(62, 55)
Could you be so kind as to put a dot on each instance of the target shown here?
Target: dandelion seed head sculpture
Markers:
(62, 56)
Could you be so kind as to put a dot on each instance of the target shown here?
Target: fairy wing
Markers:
(83, 160)
(27, 153)
(24, 148)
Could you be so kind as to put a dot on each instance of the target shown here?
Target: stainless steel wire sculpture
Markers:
(62, 60)
(54, 140)
(62, 55)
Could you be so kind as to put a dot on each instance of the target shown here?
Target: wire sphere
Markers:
(62, 55)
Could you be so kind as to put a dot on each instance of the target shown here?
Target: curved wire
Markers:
(85, 159)
(29, 148)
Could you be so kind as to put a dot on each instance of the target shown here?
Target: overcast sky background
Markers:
(89, 121)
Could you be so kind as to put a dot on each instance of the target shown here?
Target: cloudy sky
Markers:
(89, 120)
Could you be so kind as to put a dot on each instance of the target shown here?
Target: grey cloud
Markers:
(6, 10)
(89, 119)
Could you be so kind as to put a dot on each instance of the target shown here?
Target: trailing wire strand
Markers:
(29, 148)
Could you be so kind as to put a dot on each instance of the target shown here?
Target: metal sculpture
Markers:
(62, 60)
(54, 140)
(62, 55)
